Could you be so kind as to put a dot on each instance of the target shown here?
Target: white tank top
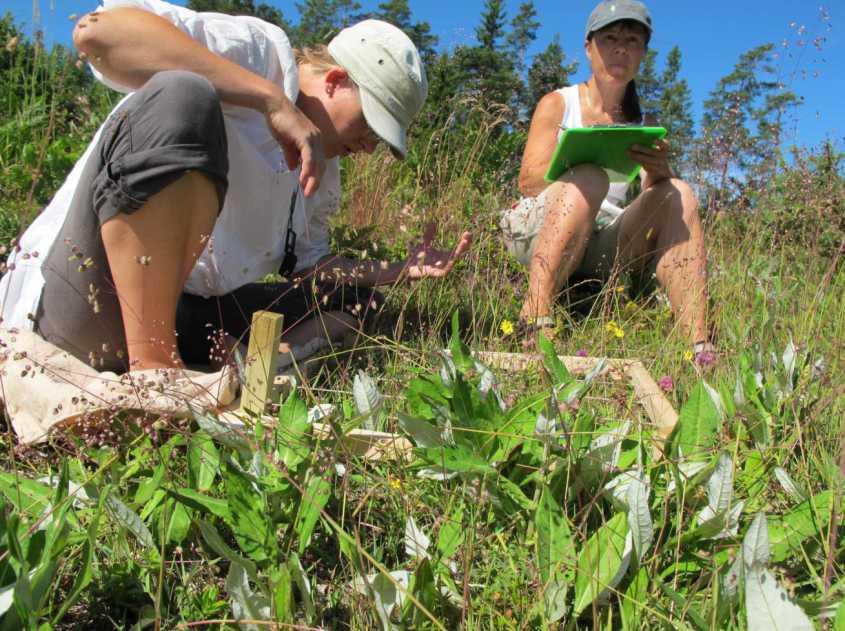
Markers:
(571, 119)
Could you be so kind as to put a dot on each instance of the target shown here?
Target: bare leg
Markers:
(663, 222)
(151, 253)
(572, 204)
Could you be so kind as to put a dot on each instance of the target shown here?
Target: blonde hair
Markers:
(316, 57)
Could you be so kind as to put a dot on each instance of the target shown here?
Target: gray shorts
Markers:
(172, 125)
(521, 224)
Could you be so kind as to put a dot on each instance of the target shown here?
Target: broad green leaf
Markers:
(246, 604)
(451, 533)
(423, 433)
(126, 518)
(698, 425)
(292, 444)
(755, 545)
(389, 593)
(635, 601)
(201, 502)
(455, 459)
(555, 547)
(224, 434)
(150, 485)
(803, 523)
(789, 485)
(600, 561)
(582, 430)
(639, 514)
(367, 398)
(282, 588)
(179, 525)
(768, 606)
(216, 543)
(416, 541)
(29, 497)
(314, 499)
(551, 361)
(203, 461)
(303, 585)
(247, 508)
(460, 353)
(839, 621)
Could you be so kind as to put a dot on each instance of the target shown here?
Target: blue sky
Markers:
(711, 36)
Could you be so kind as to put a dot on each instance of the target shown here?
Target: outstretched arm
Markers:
(424, 261)
(129, 45)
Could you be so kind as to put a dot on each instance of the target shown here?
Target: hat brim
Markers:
(384, 124)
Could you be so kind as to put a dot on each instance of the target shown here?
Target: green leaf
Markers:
(201, 502)
(551, 361)
(583, 430)
(303, 585)
(216, 543)
(461, 354)
(180, 524)
(635, 601)
(600, 561)
(246, 604)
(126, 518)
(455, 459)
(423, 433)
(248, 513)
(29, 497)
(698, 425)
(367, 398)
(839, 622)
(292, 444)
(316, 495)
(282, 594)
(203, 461)
(768, 606)
(451, 533)
(150, 485)
(555, 554)
(806, 521)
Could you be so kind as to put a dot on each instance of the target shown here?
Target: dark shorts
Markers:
(173, 125)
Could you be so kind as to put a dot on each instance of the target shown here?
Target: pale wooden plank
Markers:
(262, 362)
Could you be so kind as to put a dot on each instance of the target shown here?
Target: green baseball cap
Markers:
(610, 11)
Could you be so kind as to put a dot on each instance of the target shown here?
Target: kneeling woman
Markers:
(574, 226)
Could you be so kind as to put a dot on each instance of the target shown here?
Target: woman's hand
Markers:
(426, 262)
(299, 139)
(654, 160)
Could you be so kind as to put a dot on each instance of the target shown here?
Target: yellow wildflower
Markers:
(630, 306)
(506, 327)
(395, 484)
(620, 289)
(614, 329)
(688, 355)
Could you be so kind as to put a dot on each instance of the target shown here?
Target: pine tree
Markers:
(492, 27)
(675, 107)
(398, 12)
(243, 7)
(549, 71)
(320, 20)
(648, 88)
(742, 126)
(523, 31)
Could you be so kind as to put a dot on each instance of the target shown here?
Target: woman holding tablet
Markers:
(575, 227)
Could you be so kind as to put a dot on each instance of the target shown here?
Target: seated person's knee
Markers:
(591, 180)
(192, 105)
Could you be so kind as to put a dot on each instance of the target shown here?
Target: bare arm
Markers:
(129, 45)
(654, 160)
(542, 139)
(424, 261)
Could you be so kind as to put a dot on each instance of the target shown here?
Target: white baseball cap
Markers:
(386, 66)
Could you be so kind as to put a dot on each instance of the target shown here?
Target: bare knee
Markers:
(581, 189)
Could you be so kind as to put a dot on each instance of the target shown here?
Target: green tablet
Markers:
(606, 146)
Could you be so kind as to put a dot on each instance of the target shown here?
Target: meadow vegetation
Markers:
(532, 500)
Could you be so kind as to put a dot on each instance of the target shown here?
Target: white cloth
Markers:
(45, 389)
(611, 207)
(248, 239)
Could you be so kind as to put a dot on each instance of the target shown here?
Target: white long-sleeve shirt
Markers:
(247, 242)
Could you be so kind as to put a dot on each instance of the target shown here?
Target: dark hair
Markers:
(631, 109)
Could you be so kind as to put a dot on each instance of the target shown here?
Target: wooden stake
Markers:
(262, 362)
